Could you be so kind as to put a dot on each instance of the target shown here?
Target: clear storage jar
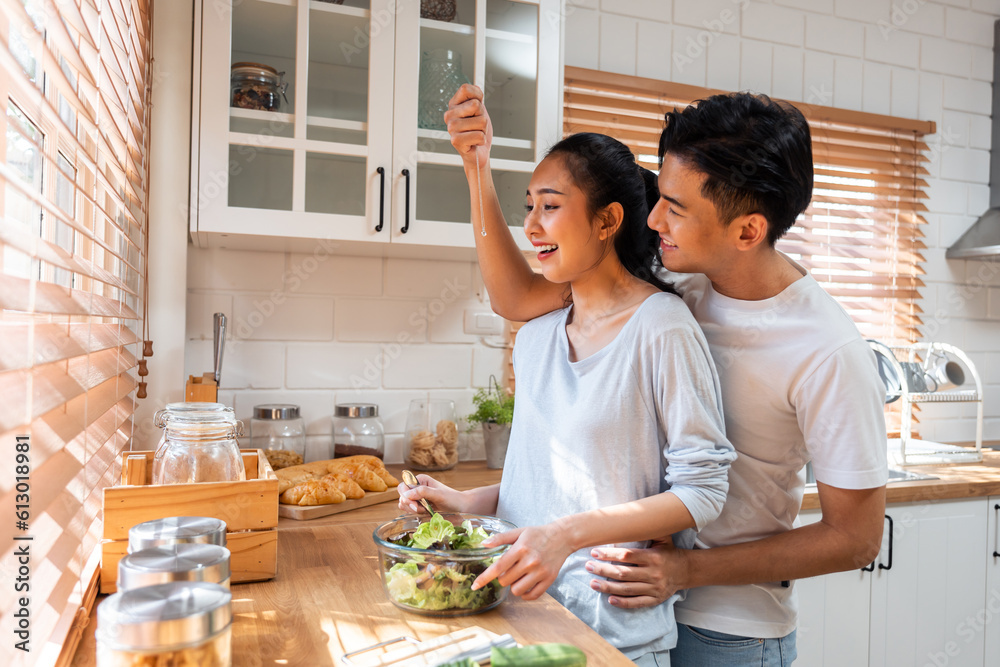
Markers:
(182, 623)
(441, 76)
(431, 435)
(198, 446)
(255, 86)
(177, 530)
(278, 429)
(357, 430)
(174, 562)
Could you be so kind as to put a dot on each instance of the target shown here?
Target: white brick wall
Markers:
(315, 331)
(930, 60)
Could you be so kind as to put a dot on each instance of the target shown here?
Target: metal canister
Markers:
(174, 562)
(177, 530)
(182, 623)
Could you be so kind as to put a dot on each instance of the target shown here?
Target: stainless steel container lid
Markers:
(177, 529)
(164, 616)
(356, 410)
(276, 411)
(174, 562)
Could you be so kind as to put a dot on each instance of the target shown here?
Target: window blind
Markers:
(861, 237)
(74, 82)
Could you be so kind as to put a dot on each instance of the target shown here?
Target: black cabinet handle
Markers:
(381, 199)
(406, 215)
(996, 549)
(869, 568)
(889, 566)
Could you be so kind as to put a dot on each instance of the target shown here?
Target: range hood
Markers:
(982, 239)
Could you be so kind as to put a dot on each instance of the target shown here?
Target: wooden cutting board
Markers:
(303, 513)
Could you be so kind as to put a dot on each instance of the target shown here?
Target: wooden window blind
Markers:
(861, 237)
(74, 81)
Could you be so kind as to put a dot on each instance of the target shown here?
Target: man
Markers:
(798, 381)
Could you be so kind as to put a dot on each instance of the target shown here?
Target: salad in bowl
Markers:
(428, 564)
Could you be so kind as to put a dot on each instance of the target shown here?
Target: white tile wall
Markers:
(780, 25)
(930, 60)
(318, 329)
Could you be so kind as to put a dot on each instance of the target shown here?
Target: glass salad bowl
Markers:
(428, 564)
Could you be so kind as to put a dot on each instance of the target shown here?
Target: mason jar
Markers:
(199, 445)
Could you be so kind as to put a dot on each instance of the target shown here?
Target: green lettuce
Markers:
(471, 538)
(438, 529)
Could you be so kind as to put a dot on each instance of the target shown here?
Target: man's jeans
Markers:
(706, 648)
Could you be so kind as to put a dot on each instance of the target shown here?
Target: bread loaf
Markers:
(313, 492)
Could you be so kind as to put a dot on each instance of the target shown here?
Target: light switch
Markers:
(482, 323)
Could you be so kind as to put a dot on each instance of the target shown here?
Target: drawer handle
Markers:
(996, 529)
(406, 215)
(381, 199)
(889, 566)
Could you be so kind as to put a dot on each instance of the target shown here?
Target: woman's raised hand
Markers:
(469, 125)
(442, 498)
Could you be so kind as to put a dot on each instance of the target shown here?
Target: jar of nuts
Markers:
(256, 86)
(431, 435)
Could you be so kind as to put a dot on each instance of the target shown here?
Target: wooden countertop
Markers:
(327, 598)
(957, 480)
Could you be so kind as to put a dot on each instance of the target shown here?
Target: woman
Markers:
(617, 434)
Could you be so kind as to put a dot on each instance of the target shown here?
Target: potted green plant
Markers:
(495, 412)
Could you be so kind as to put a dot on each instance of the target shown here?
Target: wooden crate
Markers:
(250, 510)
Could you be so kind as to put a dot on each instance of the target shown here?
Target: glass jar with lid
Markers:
(177, 530)
(357, 429)
(431, 435)
(256, 86)
(174, 562)
(198, 445)
(278, 429)
(179, 623)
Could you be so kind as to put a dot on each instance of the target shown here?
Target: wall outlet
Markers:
(482, 323)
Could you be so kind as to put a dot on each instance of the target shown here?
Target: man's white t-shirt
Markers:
(799, 383)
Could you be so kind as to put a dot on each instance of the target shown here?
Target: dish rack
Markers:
(912, 451)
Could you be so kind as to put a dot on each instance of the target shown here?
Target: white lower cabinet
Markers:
(929, 584)
(924, 603)
(991, 606)
(834, 616)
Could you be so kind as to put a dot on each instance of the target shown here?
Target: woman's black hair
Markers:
(606, 171)
(755, 152)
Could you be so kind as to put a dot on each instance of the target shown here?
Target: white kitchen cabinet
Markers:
(344, 160)
(927, 601)
(927, 583)
(990, 618)
(834, 615)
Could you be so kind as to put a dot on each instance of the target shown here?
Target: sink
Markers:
(895, 475)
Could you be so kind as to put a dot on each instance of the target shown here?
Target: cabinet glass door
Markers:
(498, 45)
(295, 138)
